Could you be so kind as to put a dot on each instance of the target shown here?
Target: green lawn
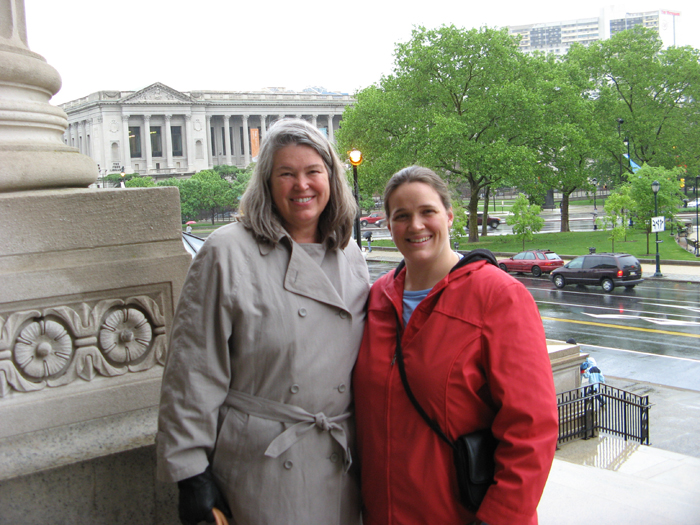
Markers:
(577, 243)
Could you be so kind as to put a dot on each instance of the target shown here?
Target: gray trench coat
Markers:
(256, 321)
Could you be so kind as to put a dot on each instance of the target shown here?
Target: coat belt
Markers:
(284, 413)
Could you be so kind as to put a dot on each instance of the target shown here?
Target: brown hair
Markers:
(417, 174)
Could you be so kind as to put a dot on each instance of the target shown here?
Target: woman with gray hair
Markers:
(255, 406)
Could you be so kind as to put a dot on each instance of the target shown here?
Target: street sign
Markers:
(658, 224)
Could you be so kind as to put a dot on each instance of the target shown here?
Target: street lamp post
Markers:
(123, 174)
(697, 225)
(619, 123)
(356, 159)
(595, 187)
(655, 188)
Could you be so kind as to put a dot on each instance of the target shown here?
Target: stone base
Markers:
(88, 283)
(115, 489)
(566, 362)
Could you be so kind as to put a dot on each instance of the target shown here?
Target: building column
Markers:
(168, 143)
(126, 150)
(147, 138)
(263, 127)
(227, 139)
(314, 120)
(246, 141)
(190, 142)
(209, 145)
(331, 137)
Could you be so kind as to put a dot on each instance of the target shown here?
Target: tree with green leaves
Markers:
(140, 182)
(215, 192)
(618, 207)
(462, 102)
(569, 136)
(654, 91)
(640, 192)
(526, 220)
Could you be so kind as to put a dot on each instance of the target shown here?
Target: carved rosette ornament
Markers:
(125, 335)
(58, 345)
(43, 349)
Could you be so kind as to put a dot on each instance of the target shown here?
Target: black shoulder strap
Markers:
(402, 372)
(471, 256)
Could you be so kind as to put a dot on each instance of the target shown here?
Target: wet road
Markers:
(650, 333)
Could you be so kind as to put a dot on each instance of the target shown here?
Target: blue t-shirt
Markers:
(411, 299)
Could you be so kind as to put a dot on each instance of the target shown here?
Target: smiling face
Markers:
(420, 225)
(300, 190)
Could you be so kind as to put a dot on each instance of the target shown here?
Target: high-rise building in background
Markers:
(557, 37)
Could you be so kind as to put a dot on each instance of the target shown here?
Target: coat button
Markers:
(334, 458)
(342, 388)
(343, 314)
(294, 389)
(288, 464)
(302, 312)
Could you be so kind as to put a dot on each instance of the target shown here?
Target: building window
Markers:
(213, 142)
(135, 141)
(156, 142)
(176, 133)
(223, 140)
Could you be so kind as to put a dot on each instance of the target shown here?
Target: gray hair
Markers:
(417, 174)
(259, 212)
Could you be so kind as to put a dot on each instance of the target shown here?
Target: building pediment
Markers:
(157, 94)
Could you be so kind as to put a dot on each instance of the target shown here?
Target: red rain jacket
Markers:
(475, 356)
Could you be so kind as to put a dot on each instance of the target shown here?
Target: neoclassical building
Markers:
(161, 132)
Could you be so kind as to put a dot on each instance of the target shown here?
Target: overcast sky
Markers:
(246, 45)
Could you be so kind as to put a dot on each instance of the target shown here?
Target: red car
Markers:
(378, 219)
(535, 262)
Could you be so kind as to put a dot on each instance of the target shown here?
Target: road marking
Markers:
(606, 325)
(639, 352)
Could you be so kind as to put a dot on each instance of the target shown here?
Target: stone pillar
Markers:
(209, 143)
(147, 139)
(88, 282)
(168, 143)
(32, 152)
(126, 149)
(331, 136)
(189, 131)
(246, 142)
(263, 127)
(227, 139)
(314, 119)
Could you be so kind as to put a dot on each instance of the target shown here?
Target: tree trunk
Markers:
(564, 212)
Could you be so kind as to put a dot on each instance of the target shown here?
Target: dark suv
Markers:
(600, 269)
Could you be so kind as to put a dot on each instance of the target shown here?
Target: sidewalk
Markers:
(609, 481)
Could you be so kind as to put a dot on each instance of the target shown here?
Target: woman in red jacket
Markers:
(475, 357)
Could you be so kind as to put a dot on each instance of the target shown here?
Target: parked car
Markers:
(492, 221)
(693, 204)
(378, 219)
(535, 262)
(600, 269)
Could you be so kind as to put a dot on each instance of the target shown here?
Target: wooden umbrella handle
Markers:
(219, 517)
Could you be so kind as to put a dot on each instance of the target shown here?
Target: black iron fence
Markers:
(584, 412)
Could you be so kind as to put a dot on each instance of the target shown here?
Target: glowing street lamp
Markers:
(356, 159)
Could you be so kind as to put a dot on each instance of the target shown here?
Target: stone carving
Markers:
(113, 126)
(43, 349)
(158, 93)
(197, 125)
(55, 346)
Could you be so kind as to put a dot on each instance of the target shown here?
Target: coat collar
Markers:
(305, 277)
(471, 261)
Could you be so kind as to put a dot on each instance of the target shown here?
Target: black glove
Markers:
(198, 495)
